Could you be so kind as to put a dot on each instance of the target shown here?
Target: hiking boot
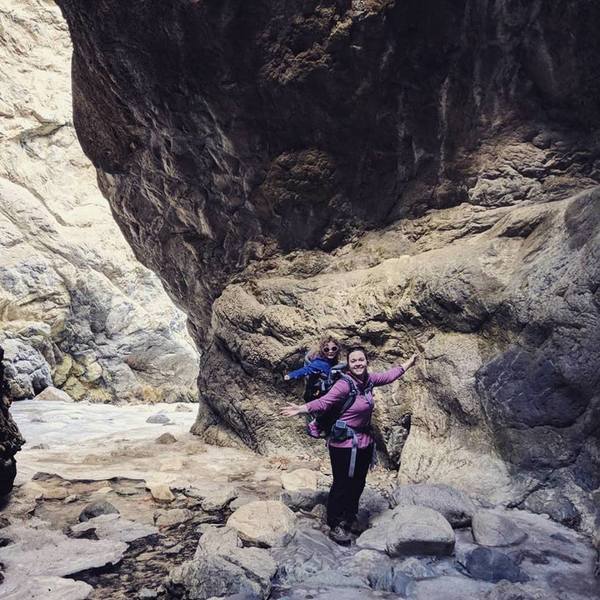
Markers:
(356, 527)
(340, 536)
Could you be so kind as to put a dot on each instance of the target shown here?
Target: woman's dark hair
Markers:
(356, 349)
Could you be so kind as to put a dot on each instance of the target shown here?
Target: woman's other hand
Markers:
(291, 410)
(410, 362)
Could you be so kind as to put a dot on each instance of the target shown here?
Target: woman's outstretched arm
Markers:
(338, 392)
(394, 373)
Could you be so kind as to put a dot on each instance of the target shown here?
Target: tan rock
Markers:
(171, 517)
(54, 395)
(161, 492)
(300, 479)
(270, 522)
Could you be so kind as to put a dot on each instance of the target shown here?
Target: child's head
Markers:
(329, 348)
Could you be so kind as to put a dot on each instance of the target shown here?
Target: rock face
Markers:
(77, 311)
(413, 176)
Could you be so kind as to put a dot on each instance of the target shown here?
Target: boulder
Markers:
(172, 517)
(222, 567)
(95, 509)
(491, 528)
(267, 523)
(219, 498)
(161, 492)
(166, 438)
(410, 530)
(455, 505)
(53, 394)
(159, 419)
(304, 499)
(300, 479)
(493, 565)
(112, 526)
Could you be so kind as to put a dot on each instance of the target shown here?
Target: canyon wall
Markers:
(416, 176)
(77, 310)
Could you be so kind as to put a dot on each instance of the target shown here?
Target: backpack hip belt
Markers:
(341, 431)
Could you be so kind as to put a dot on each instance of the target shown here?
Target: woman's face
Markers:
(330, 350)
(357, 363)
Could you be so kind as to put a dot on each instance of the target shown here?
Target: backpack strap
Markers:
(351, 396)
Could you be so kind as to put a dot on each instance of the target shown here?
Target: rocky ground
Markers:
(122, 502)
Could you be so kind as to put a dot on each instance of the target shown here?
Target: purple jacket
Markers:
(359, 414)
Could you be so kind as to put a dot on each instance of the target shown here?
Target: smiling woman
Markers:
(351, 444)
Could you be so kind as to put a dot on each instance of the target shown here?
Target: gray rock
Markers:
(304, 499)
(407, 530)
(38, 551)
(505, 590)
(27, 372)
(268, 523)
(455, 505)
(494, 529)
(449, 587)
(166, 438)
(493, 565)
(159, 419)
(419, 530)
(113, 527)
(172, 517)
(95, 509)
(147, 594)
(53, 394)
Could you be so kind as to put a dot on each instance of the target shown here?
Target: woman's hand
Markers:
(291, 410)
(410, 362)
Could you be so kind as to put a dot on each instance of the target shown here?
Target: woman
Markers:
(358, 447)
(317, 369)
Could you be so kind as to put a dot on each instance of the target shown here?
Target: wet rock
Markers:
(114, 527)
(54, 395)
(300, 479)
(494, 529)
(268, 523)
(166, 438)
(493, 565)
(171, 517)
(159, 419)
(95, 509)
(455, 505)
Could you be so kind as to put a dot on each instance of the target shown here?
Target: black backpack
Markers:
(322, 424)
(318, 384)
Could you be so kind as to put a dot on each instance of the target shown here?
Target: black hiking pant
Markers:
(344, 495)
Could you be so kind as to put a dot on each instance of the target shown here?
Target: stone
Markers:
(49, 588)
(172, 517)
(55, 493)
(300, 479)
(159, 419)
(453, 504)
(166, 438)
(94, 509)
(161, 492)
(147, 594)
(410, 530)
(53, 394)
(493, 565)
(218, 499)
(449, 587)
(493, 529)
(268, 523)
(221, 541)
(37, 551)
(113, 527)
(304, 499)
(505, 590)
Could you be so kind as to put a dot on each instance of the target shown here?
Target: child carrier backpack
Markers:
(323, 424)
(318, 384)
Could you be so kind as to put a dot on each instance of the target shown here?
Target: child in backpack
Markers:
(317, 370)
(351, 444)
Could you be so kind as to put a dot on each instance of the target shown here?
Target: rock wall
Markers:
(76, 308)
(411, 175)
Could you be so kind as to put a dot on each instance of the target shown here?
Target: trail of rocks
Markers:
(146, 510)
